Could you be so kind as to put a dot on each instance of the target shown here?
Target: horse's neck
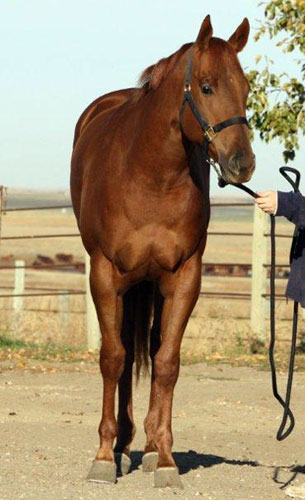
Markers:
(159, 152)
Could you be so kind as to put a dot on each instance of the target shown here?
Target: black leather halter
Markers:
(209, 131)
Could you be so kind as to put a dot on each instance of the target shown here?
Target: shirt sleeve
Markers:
(292, 206)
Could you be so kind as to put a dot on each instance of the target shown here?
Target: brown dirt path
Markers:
(225, 421)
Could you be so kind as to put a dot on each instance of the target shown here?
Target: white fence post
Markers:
(63, 309)
(259, 275)
(19, 285)
(93, 329)
(18, 290)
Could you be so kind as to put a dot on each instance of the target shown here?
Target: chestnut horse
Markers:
(143, 221)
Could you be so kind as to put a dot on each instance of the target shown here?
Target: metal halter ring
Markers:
(210, 134)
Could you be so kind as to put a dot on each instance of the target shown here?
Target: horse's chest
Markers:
(152, 248)
(151, 234)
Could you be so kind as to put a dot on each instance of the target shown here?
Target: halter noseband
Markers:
(209, 131)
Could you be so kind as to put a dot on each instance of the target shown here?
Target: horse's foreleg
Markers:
(109, 308)
(180, 291)
(126, 426)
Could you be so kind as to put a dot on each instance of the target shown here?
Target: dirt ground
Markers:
(224, 423)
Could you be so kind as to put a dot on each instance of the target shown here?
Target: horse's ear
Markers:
(240, 37)
(205, 34)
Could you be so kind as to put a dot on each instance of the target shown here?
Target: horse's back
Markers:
(102, 104)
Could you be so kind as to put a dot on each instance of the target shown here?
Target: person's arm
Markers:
(290, 205)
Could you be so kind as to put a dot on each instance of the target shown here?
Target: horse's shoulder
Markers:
(102, 104)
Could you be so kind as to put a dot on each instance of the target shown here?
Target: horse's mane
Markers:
(152, 76)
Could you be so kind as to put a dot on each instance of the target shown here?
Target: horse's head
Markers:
(220, 90)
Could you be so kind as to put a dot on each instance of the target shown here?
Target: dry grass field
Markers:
(216, 325)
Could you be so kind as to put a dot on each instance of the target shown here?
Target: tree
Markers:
(277, 102)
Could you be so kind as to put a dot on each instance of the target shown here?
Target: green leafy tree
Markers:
(277, 102)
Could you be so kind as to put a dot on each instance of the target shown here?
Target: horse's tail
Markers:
(143, 306)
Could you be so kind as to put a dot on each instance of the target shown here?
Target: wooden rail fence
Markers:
(258, 265)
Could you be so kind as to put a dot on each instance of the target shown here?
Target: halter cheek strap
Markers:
(209, 131)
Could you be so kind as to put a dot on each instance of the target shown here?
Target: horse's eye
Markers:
(206, 90)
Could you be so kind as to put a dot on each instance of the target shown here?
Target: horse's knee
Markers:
(166, 368)
(112, 360)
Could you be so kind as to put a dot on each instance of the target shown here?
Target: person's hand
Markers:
(267, 201)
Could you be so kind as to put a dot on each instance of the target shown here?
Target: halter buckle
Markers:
(210, 134)
(187, 87)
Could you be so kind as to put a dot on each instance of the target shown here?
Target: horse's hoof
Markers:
(102, 472)
(150, 461)
(123, 462)
(167, 476)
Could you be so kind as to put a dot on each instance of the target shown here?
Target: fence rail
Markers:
(73, 235)
(37, 236)
(58, 207)
(38, 267)
(41, 294)
(258, 294)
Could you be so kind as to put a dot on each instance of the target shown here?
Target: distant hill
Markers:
(17, 198)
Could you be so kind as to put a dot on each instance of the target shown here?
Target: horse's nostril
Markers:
(240, 166)
(238, 156)
(241, 162)
(235, 162)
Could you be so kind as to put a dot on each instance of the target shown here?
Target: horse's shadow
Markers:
(191, 460)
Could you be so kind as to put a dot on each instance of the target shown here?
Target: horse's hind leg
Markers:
(126, 426)
(109, 308)
(150, 458)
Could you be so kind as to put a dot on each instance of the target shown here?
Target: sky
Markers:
(59, 55)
